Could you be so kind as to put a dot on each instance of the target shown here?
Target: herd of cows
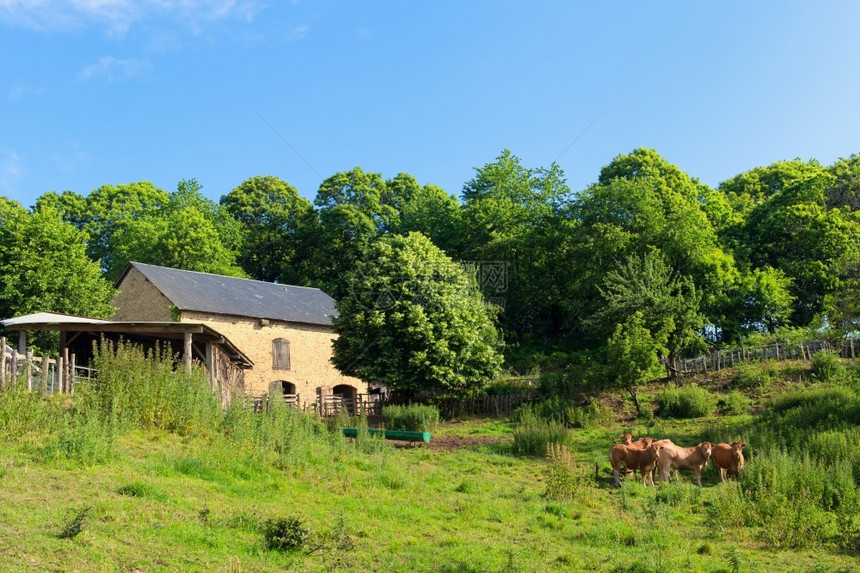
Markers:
(646, 455)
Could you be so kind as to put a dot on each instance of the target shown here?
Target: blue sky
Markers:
(113, 91)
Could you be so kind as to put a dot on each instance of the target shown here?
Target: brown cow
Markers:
(625, 458)
(729, 458)
(640, 444)
(676, 457)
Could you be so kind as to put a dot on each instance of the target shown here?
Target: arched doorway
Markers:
(285, 389)
(348, 397)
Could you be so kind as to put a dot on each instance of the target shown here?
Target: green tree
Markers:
(511, 216)
(845, 190)
(279, 230)
(760, 302)
(110, 208)
(352, 215)
(633, 356)
(44, 267)
(793, 230)
(642, 203)
(415, 321)
(668, 305)
(428, 210)
(71, 206)
(188, 232)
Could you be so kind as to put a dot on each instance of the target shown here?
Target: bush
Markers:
(533, 434)
(735, 404)
(828, 367)
(685, 402)
(285, 534)
(412, 418)
(821, 408)
(751, 377)
(594, 415)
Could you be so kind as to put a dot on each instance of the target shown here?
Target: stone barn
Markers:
(286, 331)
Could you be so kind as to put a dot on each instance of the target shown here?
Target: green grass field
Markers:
(166, 504)
(201, 499)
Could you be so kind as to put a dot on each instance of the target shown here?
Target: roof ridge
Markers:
(225, 276)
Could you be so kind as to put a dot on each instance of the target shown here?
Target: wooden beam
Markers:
(187, 351)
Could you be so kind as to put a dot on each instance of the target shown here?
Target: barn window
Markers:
(280, 354)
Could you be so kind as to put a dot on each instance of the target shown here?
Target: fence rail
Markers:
(719, 359)
(40, 373)
(489, 405)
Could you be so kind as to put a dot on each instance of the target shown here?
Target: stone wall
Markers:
(310, 353)
(138, 299)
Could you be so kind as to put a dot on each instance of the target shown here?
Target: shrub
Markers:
(412, 418)
(533, 434)
(685, 402)
(828, 367)
(285, 534)
(735, 403)
(593, 415)
(751, 377)
(821, 408)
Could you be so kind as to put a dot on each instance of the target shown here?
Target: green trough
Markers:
(391, 434)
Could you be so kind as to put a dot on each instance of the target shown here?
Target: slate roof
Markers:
(217, 294)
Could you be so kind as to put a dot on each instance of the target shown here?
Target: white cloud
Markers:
(117, 16)
(110, 69)
(298, 33)
(21, 90)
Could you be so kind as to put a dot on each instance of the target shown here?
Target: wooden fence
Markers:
(486, 405)
(719, 359)
(363, 404)
(40, 373)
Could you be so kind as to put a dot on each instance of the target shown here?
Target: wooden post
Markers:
(2, 362)
(28, 369)
(208, 363)
(851, 340)
(72, 374)
(187, 351)
(68, 383)
(14, 363)
(59, 384)
(22, 342)
(44, 380)
(776, 347)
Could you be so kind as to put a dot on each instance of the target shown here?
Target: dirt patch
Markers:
(447, 443)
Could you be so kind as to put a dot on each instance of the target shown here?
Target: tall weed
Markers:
(828, 367)
(751, 377)
(283, 435)
(533, 434)
(411, 418)
(685, 402)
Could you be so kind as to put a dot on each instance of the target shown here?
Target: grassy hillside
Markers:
(79, 494)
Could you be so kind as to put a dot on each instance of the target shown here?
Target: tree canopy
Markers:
(44, 267)
(415, 321)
